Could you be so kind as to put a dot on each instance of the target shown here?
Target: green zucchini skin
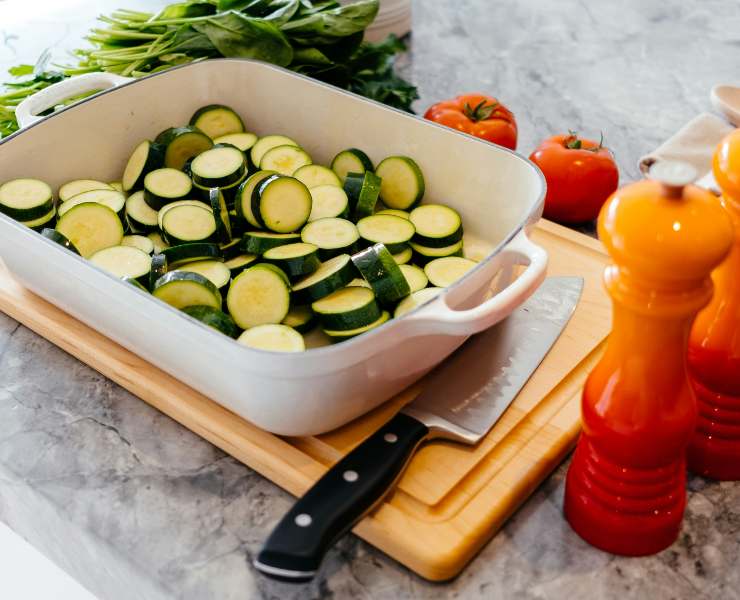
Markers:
(215, 318)
(220, 215)
(158, 270)
(157, 201)
(175, 277)
(259, 242)
(230, 192)
(154, 160)
(301, 318)
(232, 249)
(359, 316)
(44, 202)
(440, 238)
(363, 190)
(203, 120)
(306, 294)
(48, 220)
(353, 159)
(379, 269)
(424, 254)
(134, 210)
(181, 144)
(221, 182)
(346, 334)
(184, 253)
(375, 229)
(294, 266)
(238, 263)
(60, 239)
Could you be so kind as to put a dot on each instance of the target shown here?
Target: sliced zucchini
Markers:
(140, 216)
(301, 318)
(77, 186)
(443, 272)
(332, 236)
(346, 334)
(114, 200)
(351, 160)
(216, 120)
(275, 338)
(187, 224)
(362, 191)
(182, 289)
(402, 184)
(158, 241)
(124, 261)
(146, 157)
(259, 242)
(243, 203)
(91, 227)
(163, 211)
(141, 242)
(359, 282)
(403, 256)
(214, 270)
(296, 260)
(268, 142)
(158, 269)
(213, 317)
(237, 264)
(220, 166)
(243, 141)
(281, 204)
(328, 201)
(60, 239)
(333, 274)
(259, 295)
(116, 185)
(416, 299)
(436, 225)
(26, 199)
(395, 212)
(424, 254)
(230, 192)
(232, 249)
(285, 160)
(163, 186)
(391, 231)
(379, 269)
(185, 253)
(238, 226)
(347, 308)
(182, 144)
(415, 276)
(315, 175)
(42, 222)
(221, 216)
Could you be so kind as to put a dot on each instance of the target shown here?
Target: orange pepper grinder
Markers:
(714, 344)
(625, 490)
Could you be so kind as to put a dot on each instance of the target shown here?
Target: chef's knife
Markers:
(461, 401)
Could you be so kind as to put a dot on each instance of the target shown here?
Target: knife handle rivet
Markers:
(391, 438)
(303, 520)
(350, 476)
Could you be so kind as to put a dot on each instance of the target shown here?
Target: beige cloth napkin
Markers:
(695, 144)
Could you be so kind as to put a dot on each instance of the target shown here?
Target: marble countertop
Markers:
(134, 506)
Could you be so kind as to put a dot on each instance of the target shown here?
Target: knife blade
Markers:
(462, 400)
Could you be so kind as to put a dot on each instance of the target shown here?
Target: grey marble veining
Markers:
(135, 506)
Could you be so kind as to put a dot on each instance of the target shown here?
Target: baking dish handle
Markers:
(438, 317)
(27, 112)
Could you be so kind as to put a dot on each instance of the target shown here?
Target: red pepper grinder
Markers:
(625, 489)
(714, 344)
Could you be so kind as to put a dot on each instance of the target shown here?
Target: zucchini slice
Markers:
(46, 221)
(379, 269)
(60, 239)
(181, 289)
(268, 142)
(416, 299)
(229, 191)
(182, 144)
(404, 256)
(213, 317)
(402, 184)
(146, 157)
(275, 338)
(362, 190)
(216, 120)
(221, 216)
(26, 199)
(141, 242)
(359, 282)
(116, 185)
(333, 274)
(237, 264)
(315, 175)
(77, 186)
(301, 318)
(243, 202)
(163, 211)
(332, 236)
(328, 201)
(220, 166)
(443, 272)
(232, 249)
(423, 254)
(139, 215)
(166, 185)
(91, 227)
(185, 253)
(415, 276)
(351, 160)
(259, 295)
(214, 270)
(114, 200)
(347, 308)
(395, 212)
(158, 269)
(285, 160)
(124, 261)
(281, 204)
(158, 241)
(186, 224)
(259, 242)
(345, 334)
(391, 231)
(244, 141)
(296, 260)
(436, 225)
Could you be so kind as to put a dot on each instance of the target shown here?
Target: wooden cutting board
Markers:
(453, 498)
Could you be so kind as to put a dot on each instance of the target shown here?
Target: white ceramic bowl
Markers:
(499, 194)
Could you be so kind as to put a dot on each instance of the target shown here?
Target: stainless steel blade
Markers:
(466, 395)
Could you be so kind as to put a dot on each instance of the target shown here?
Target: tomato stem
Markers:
(572, 142)
(480, 112)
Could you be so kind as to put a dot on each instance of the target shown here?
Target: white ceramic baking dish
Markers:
(499, 194)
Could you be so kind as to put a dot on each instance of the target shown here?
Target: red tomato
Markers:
(478, 115)
(581, 174)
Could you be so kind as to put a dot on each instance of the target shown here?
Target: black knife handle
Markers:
(338, 500)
